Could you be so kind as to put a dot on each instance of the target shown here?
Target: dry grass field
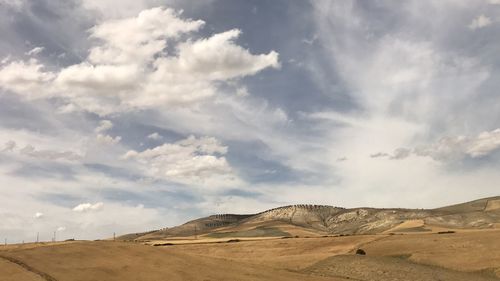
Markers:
(463, 255)
(300, 242)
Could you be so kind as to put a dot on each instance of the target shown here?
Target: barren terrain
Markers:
(275, 247)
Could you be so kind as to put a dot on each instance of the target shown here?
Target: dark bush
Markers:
(446, 232)
(360, 252)
(163, 244)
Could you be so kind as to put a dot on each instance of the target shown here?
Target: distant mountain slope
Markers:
(322, 219)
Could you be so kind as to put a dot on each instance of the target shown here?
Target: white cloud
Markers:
(400, 153)
(38, 215)
(454, 148)
(193, 161)
(26, 78)
(480, 22)
(145, 36)
(379, 154)
(129, 68)
(61, 228)
(117, 9)
(155, 136)
(199, 58)
(86, 207)
(104, 125)
(47, 154)
(107, 139)
(35, 51)
(242, 92)
(9, 146)
(410, 89)
(16, 4)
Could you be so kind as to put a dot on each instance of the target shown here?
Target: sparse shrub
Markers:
(233, 240)
(446, 232)
(360, 252)
(163, 244)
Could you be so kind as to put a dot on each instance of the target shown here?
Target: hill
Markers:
(320, 220)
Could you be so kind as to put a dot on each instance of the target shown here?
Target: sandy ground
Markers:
(13, 272)
(471, 255)
(465, 251)
(290, 254)
(98, 261)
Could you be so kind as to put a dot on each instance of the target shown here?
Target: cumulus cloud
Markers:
(451, 148)
(128, 67)
(27, 78)
(104, 125)
(199, 57)
(48, 154)
(9, 146)
(379, 154)
(144, 37)
(61, 228)
(87, 207)
(35, 51)
(155, 136)
(480, 22)
(38, 215)
(400, 153)
(196, 161)
(16, 4)
(107, 139)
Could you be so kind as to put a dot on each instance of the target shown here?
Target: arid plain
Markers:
(460, 242)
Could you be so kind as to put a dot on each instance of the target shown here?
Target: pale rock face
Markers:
(350, 216)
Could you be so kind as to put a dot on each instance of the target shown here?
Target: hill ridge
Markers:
(327, 219)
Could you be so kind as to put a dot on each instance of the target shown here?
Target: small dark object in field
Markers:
(446, 232)
(163, 244)
(360, 252)
(233, 240)
(67, 240)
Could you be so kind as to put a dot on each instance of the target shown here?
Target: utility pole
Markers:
(114, 236)
(54, 239)
(37, 236)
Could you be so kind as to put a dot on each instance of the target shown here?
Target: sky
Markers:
(133, 115)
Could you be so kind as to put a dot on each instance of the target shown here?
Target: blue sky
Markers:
(122, 116)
